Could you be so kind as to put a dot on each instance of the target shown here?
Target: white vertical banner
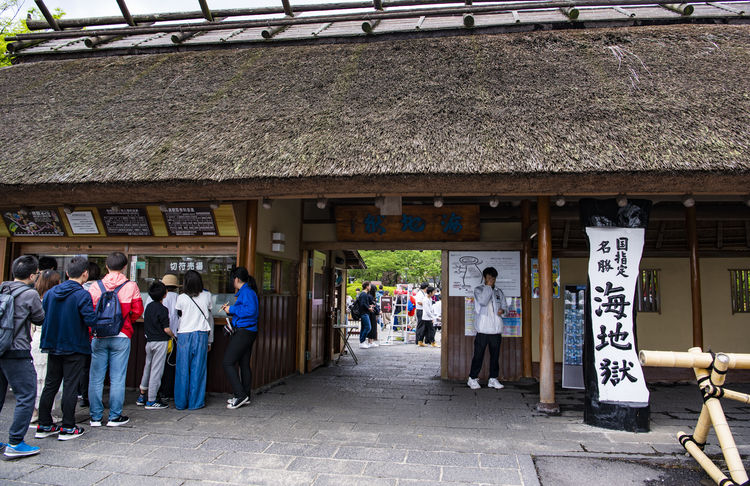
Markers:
(614, 261)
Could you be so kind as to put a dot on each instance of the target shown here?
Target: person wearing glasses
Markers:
(16, 364)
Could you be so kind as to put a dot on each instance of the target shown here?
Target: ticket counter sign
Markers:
(190, 221)
(33, 222)
(416, 223)
(125, 221)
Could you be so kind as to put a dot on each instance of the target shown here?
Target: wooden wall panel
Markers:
(462, 348)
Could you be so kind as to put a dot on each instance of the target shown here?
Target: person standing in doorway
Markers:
(490, 305)
(244, 314)
(113, 352)
(374, 313)
(16, 365)
(365, 306)
(428, 318)
(419, 299)
(69, 312)
(194, 338)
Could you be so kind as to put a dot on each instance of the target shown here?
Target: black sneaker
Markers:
(67, 434)
(238, 402)
(121, 420)
(42, 431)
(84, 403)
(156, 405)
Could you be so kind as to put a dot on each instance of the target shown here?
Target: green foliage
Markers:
(402, 266)
(11, 25)
(351, 289)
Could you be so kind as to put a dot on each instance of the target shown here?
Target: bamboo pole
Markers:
(51, 21)
(726, 7)
(393, 14)
(526, 287)
(721, 392)
(672, 359)
(126, 13)
(721, 427)
(272, 31)
(681, 8)
(287, 8)
(546, 313)
(703, 427)
(570, 12)
(702, 459)
(368, 26)
(468, 21)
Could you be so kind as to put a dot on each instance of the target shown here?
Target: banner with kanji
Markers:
(614, 260)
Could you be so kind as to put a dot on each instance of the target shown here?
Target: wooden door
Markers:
(317, 310)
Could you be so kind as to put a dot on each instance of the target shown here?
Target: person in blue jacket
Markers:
(69, 311)
(244, 314)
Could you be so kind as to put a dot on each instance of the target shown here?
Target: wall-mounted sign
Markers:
(466, 269)
(125, 221)
(416, 223)
(614, 258)
(190, 221)
(34, 222)
(573, 326)
(82, 223)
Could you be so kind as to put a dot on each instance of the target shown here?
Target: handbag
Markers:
(229, 328)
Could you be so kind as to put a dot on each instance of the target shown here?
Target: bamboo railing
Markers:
(710, 371)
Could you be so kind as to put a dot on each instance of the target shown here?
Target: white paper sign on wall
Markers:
(614, 261)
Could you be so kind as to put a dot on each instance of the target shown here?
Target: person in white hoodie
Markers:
(490, 305)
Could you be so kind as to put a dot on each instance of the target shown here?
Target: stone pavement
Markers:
(388, 421)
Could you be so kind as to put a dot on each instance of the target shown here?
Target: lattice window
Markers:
(740, 283)
(648, 298)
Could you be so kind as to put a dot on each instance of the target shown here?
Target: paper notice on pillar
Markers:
(614, 261)
(470, 317)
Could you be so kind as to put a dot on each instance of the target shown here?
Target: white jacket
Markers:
(487, 301)
(428, 313)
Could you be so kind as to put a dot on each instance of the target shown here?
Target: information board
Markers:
(466, 269)
(125, 221)
(33, 222)
(190, 221)
(82, 223)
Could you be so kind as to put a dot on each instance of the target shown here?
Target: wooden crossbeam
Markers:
(207, 14)
(126, 12)
(287, 8)
(51, 21)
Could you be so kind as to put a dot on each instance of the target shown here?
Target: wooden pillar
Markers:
(546, 317)
(526, 287)
(302, 305)
(445, 342)
(246, 217)
(4, 249)
(695, 277)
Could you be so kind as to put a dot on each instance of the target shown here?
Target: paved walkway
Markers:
(388, 421)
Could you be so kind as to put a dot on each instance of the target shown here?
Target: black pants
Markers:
(238, 352)
(481, 341)
(65, 369)
(428, 332)
(373, 334)
(83, 385)
(420, 328)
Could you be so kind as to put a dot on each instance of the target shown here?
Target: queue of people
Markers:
(85, 330)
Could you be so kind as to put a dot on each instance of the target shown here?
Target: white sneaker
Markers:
(493, 383)
(363, 345)
(474, 384)
(374, 344)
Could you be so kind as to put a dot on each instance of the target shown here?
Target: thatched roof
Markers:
(551, 111)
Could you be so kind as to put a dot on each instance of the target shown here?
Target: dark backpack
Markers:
(8, 332)
(356, 311)
(109, 318)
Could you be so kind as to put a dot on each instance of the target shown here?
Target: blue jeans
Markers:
(112, 352)
(21, 375)
(365, 328)
(190, 371)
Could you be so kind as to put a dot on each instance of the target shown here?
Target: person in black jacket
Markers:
(69, 311)
(372, 336)
(366, 306)
(158, 334)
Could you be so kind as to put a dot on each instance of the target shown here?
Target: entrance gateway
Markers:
(494, 120)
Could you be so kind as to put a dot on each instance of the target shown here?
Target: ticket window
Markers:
(63, 261)
(215, 271)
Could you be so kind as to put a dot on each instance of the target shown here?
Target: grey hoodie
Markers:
(27, 310)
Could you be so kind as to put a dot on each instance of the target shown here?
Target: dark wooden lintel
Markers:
(719, 235)
(566, 234)
(660, 236)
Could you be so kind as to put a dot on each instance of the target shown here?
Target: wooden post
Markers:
(4, 248)
(302, 303)
(445, 342)
(546, 317)
(246, 217)
(695, 277)
(526, 287)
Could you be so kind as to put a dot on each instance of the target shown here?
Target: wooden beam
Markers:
(695, 277)
(726, 7)
(660, 235)
(570, 12)
(747, 233)
(287, 8)
(125, 12)
(51, 21)
(180, 37)
(445, 348)
(411, 245)
(566, 235)
(206, 11)
(368, 26)
(420, 22)
(302, 303)
(627, 13)
(246, 217)
(377, 4)
(272, 31)
(680, 8)
(547, 402)
(719, 235)
(526, 287)
(5, 259)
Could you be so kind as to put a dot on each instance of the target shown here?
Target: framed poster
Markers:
(125, 221)
(190, 221)
(573, 327)
(555, 278)
(34, 222)
(82, 223)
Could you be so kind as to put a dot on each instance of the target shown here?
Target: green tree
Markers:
(401, 266)
(11, 24)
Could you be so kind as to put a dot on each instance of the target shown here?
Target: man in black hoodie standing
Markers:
(16, 365)
(69, 312)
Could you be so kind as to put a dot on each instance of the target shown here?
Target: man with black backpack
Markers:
(118, 304)
(20, 306)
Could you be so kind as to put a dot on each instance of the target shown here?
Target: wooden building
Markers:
(266, 127)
